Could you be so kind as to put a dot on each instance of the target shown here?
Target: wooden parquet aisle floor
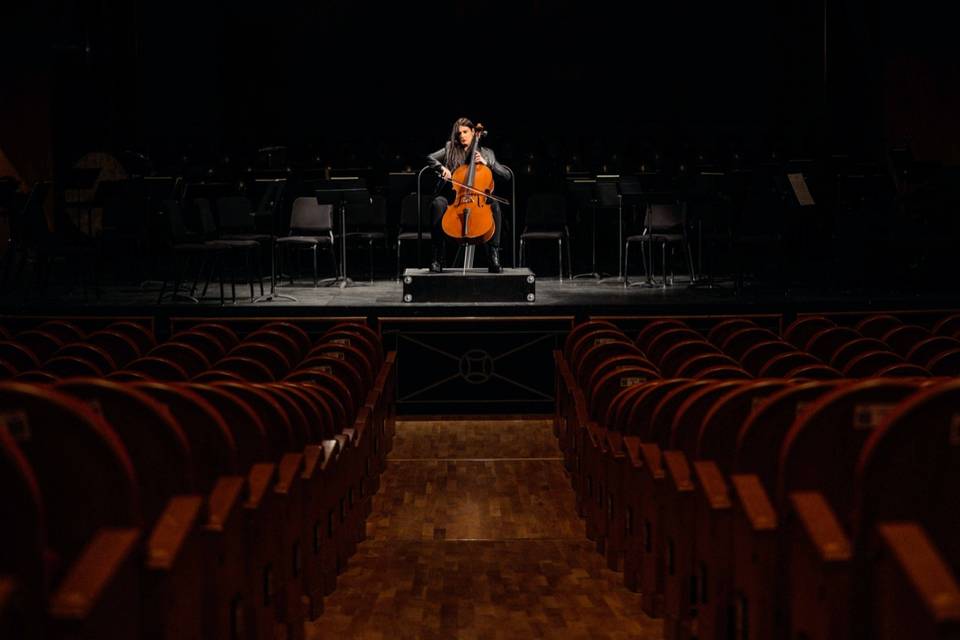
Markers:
(474, 535)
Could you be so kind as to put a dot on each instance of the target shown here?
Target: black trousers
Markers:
(438, 237)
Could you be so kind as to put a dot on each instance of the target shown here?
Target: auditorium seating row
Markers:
(744, 505)
(206, 352)
(203, 503)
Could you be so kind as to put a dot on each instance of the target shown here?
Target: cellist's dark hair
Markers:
(456, 154)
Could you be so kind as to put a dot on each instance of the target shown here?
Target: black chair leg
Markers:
(258, 264)
(296, 259)
(398, 259)
(220, 262)
(8, 258)
(197, 274)
(626, 263)
(693, 274)
(233, 279)
(560, 259)
(247, 255)
(177, 278)
(163, 285)
(206, 280)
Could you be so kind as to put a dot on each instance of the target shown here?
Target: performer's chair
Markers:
(311, 227)
(409, 218)
(665, 224)
(546, 219)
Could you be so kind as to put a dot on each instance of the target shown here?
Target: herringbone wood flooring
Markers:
(474, 535)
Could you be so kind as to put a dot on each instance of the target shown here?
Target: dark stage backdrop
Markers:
(286, 72)
(165, 77)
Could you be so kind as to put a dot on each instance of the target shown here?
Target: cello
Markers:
(469, 218)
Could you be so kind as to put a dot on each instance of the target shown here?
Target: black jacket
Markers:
(439, 158)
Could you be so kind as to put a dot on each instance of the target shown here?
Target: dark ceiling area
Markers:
(168, 79)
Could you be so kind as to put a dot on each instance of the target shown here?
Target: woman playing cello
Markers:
(446, 161)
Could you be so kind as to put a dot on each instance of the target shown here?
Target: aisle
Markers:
(474, 535)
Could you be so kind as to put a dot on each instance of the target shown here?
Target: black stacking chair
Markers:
(123, 237)
(33, 236)
(759, 230)
(190, 247)
(665, 224)
(247, 249)
(407, 231)
(311, 227)
(368, 224)
(237, 220)
(24, 232)
(546, 219)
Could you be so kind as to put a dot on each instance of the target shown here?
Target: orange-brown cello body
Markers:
(469, 217)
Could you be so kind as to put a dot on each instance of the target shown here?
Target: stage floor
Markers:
(578, 297)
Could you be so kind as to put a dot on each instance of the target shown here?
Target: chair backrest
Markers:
(236, 213)
(205, 220)
(546, 211)
(308, 217)
(820, 452)
(124, 206)
(763, 207)
(82, 469)
(664, 217)
(280, 341)
(136, 331)
(271, 197)
(153, 439)
(24, 533)
(368, 216)
(121, 348)
(30, 225)
(292, 331)
(212, 445)
(277, 426)
(191, 359)
(248, 431)
(408, 212)
(175, 224)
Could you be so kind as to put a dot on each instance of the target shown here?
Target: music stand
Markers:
(276, 185)
(340, 192)
(630, 189)
(83, 179)
(607, 196)
(644, 189)
(709, 188)
(584, 195)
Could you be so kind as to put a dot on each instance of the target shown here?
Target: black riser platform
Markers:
(476, 285)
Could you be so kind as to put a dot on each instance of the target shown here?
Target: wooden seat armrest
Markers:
(226, 496)
(261, 477)
(754, 501)
(615, 444)
(171, 531)
(923, 565)
(290, 466)
(312, 459)
(821, 526)
(100, 562)
(652, 458)
(631, 445)
(711, 483)
(677, 469)
(331, 450)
